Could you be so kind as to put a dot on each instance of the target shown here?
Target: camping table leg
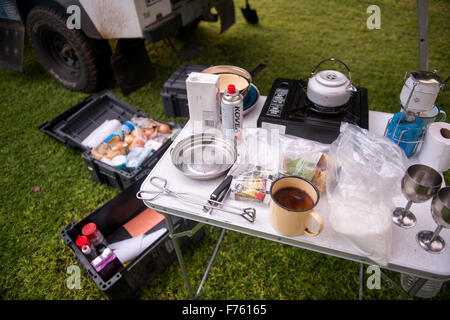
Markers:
(179, 255)
(361, 281)
(417, 285)
(406, 295)
(213, 257)
(174, 236)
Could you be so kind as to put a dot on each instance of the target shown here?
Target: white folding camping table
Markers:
(406, 255)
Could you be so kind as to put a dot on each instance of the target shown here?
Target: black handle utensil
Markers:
(219, 193)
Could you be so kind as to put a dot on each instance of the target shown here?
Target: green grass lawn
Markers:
(292, 37)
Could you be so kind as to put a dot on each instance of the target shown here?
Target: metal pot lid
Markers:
(331, 78)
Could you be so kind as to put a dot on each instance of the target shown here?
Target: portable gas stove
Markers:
(287, 108)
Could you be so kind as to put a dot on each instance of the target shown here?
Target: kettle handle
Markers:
(334, 59)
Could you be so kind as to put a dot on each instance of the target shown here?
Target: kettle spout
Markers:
(351, 89)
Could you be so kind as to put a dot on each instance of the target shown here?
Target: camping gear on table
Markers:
(419, 184)
(435, 151)
(174, 96)
(440, 211)
(203, 156)
(329, 88)
(289, 110)
(203, 101)
(292, 206)
(418, 95)
(362, 179)
(248, 214)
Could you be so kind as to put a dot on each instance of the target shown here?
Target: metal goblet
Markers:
(440, 210)
(419, 184)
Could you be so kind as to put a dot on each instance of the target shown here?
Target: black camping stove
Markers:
(288, 108)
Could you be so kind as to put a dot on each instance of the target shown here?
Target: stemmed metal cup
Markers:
(419, 184)
(440, 210)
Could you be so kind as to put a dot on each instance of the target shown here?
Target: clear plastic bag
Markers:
(364, 173)
(257, 165)
(304, 158)
(266, 155)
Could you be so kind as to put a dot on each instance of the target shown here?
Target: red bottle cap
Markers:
(231, 89)
(82, 241)
(89, 229)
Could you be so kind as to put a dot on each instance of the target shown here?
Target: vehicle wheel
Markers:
(77, 62)
(188, 29)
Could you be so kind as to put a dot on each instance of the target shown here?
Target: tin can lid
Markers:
(82, 241)
(89, 229)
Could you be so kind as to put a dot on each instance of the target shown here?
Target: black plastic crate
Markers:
(174, 94)
(110, 218)
(116, 178)
(74, 125)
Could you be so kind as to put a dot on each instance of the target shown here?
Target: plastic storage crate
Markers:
(74, 125)
(174, 95)
(134, 277)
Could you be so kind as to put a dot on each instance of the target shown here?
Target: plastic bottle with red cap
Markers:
(86, 247)
(91, 231)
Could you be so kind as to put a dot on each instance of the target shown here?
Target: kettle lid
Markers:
(331, 78)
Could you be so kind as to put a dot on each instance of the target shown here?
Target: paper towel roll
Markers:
(435, 151)
(101, 133)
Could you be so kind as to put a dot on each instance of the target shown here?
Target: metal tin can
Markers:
(232, 112)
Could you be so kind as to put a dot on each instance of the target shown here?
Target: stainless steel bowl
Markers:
(204, 156)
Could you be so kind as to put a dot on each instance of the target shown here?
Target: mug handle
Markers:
(444, 115)
(319, 221)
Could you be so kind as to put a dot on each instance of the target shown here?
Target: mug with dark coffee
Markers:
(291, 207)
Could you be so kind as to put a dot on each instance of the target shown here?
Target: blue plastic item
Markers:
(406, 134)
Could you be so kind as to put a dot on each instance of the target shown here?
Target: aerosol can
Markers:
(232, 106)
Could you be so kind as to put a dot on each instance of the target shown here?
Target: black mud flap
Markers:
(11, 44)
(225, 9)
(131, 65)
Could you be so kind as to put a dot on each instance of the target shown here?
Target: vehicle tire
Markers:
(187, 30)
(75, 61)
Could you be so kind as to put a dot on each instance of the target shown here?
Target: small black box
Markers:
(174, 95)
(74, 125)
(110, 218)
